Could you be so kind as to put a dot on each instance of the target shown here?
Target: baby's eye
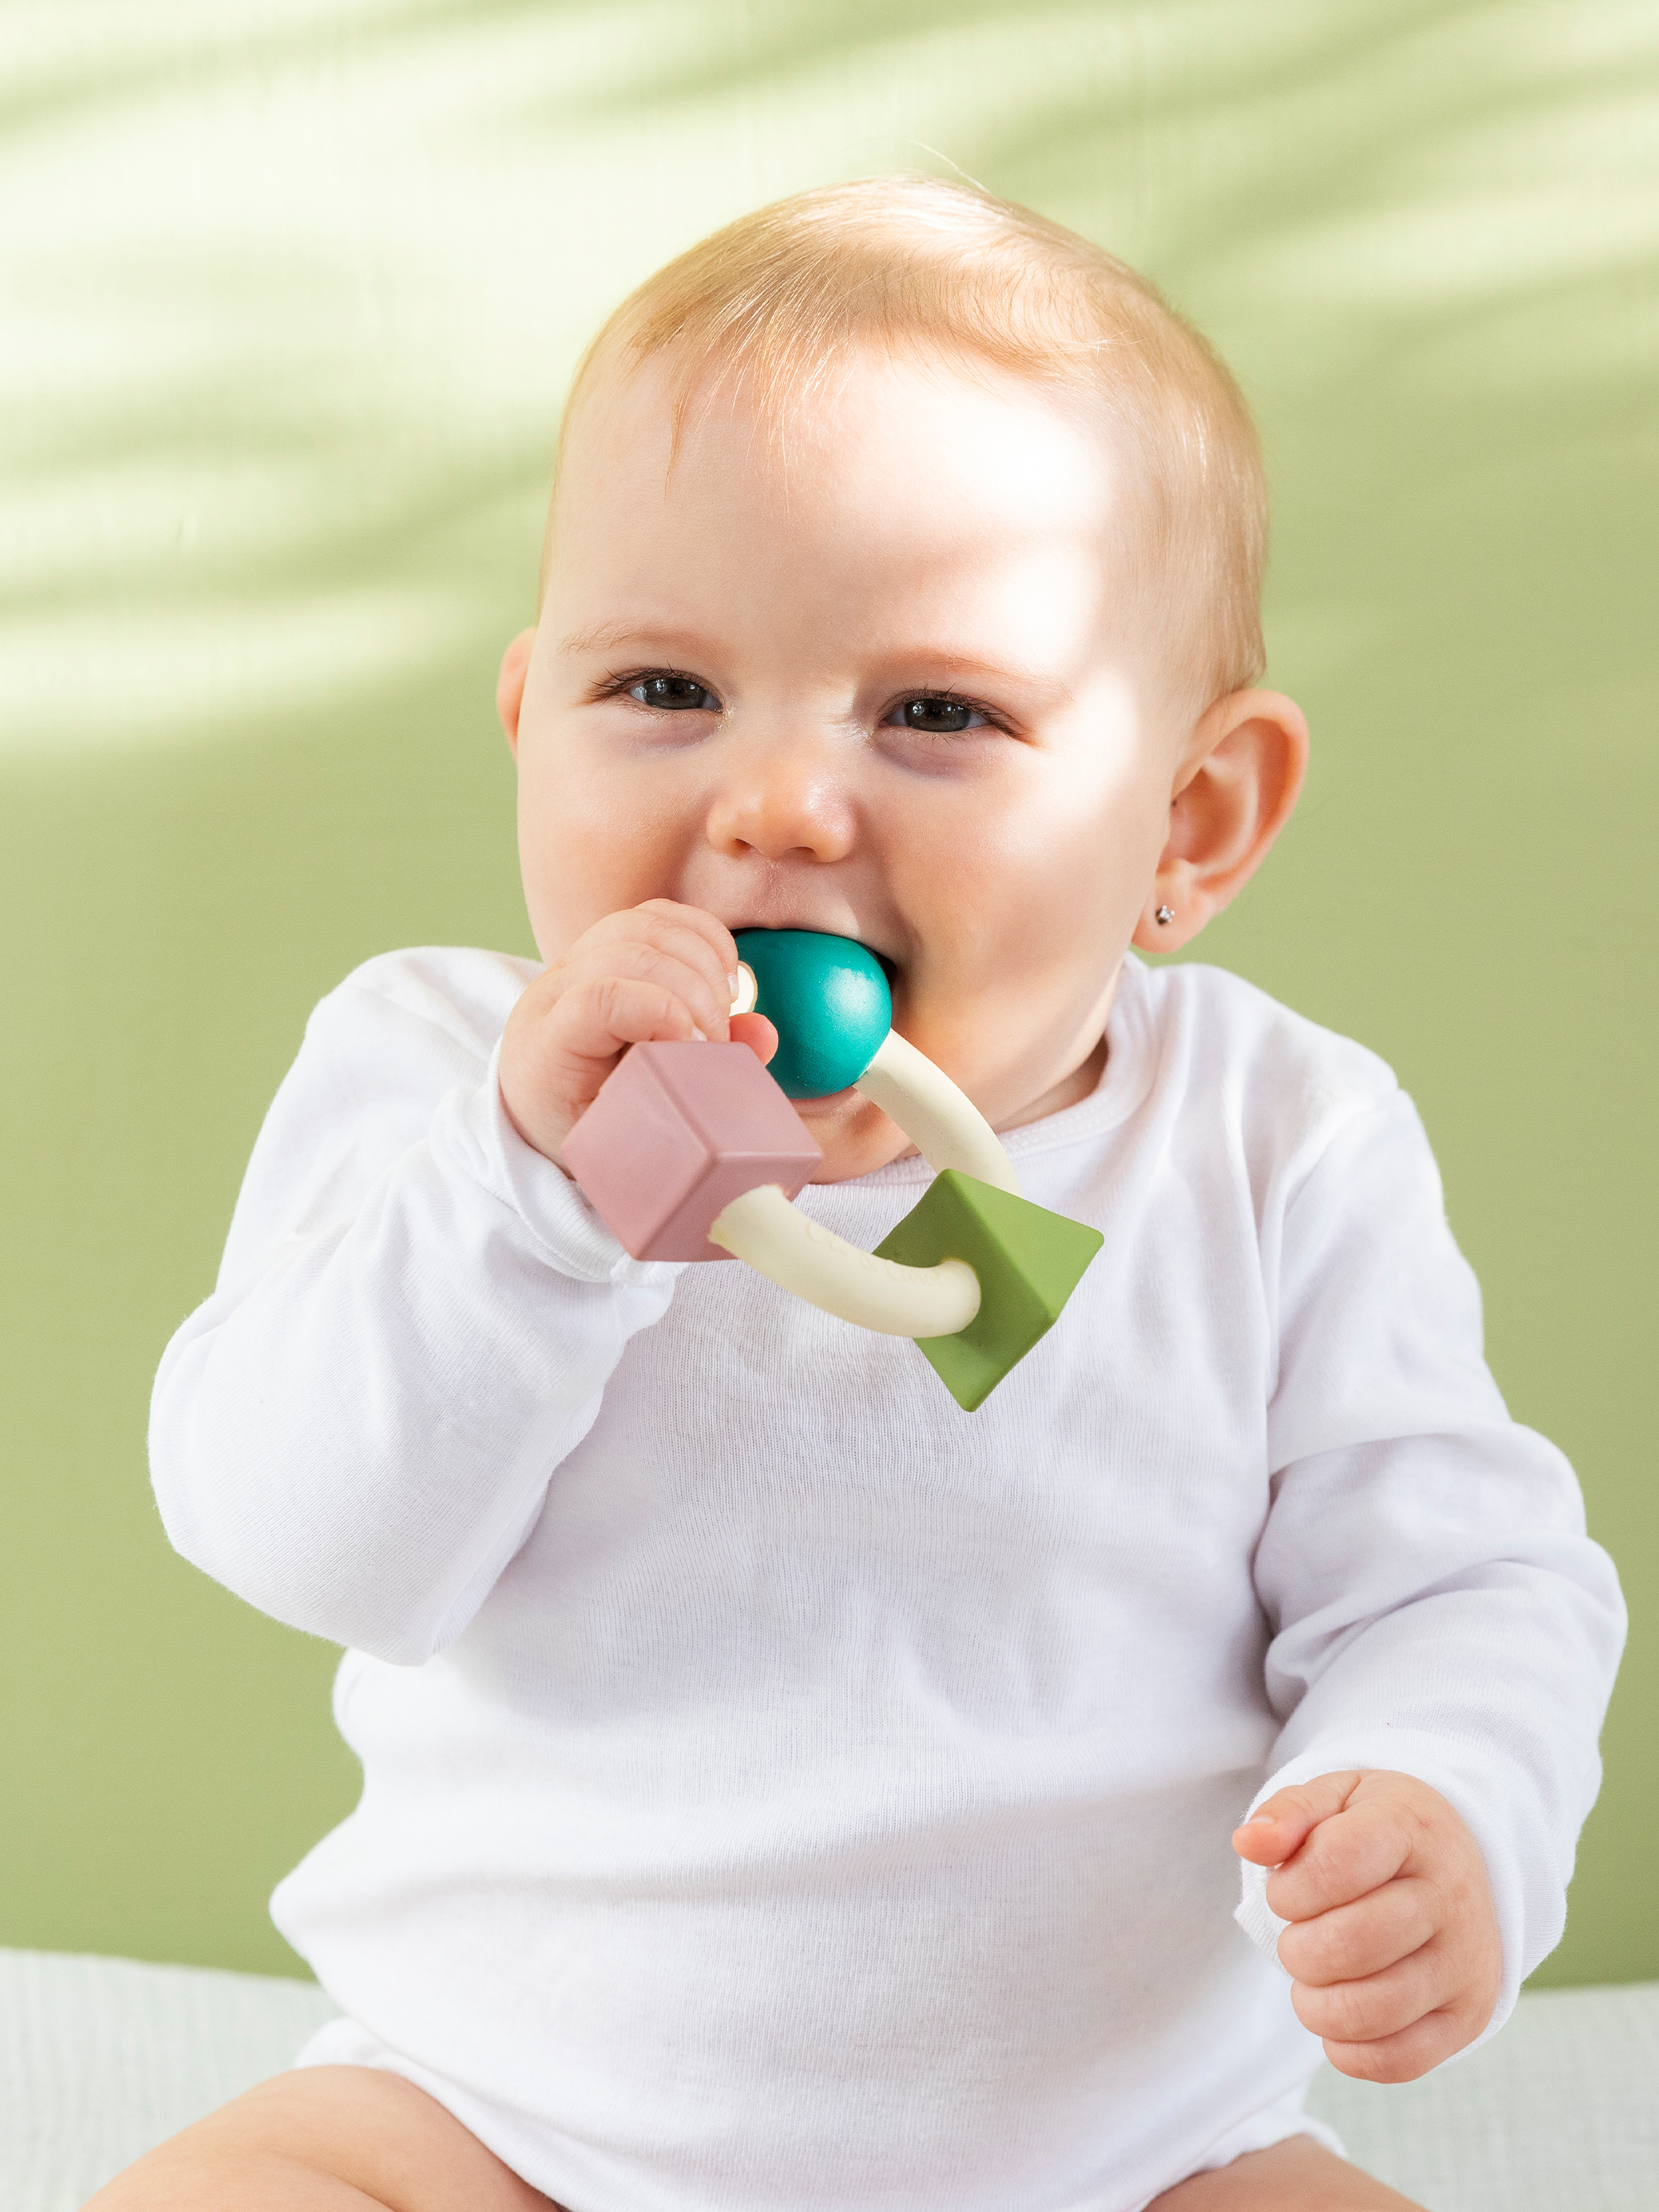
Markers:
(677, 693)
(938, 716)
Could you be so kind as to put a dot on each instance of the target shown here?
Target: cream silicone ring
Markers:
(941, 1121)
(777, 1239)
(763, 1229)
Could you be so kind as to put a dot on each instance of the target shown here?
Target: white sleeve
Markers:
(1434, 1605)
(416, 1316)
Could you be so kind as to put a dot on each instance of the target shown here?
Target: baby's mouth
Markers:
(891, 964)
(829, 999)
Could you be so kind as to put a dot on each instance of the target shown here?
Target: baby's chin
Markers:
(855, 1137)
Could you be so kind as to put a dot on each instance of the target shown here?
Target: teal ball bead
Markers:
(829, 1001)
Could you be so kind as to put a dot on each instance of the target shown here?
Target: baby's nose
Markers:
(782, 799)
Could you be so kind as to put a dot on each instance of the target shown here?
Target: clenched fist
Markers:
(655, 974)
(1392, 1945)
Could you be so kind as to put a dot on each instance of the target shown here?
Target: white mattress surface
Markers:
(100, 2059)
(1557, 2113)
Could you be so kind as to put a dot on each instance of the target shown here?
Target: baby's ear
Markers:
(509, 686)
(1238, 783)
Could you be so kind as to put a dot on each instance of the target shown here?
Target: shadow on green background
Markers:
(1375, 220)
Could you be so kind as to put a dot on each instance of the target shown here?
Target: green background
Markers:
(292, 293)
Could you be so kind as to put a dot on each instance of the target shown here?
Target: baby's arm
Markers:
(417, 1312)
(1393, 1947)
(1441, 1627)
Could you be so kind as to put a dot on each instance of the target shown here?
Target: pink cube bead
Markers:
(677, 1132)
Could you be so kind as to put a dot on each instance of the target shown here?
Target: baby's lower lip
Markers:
(832, 1102)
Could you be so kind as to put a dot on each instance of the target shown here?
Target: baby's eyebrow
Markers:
(964, 665)
(609, 637)
(1015, 684)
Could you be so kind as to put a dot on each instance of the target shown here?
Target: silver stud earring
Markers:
(1164, 914)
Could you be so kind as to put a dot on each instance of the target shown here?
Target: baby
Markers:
(784, 1792)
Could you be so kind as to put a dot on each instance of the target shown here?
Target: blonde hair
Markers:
(782, 298)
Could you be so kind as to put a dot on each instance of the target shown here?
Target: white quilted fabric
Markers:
(1557, 2113)
(102, 2057)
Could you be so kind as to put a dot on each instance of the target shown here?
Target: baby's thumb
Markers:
(1277, 1828)
(756, 1032)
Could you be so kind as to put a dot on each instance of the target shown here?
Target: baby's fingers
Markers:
(757, 1033)
(1408, 2053)
(695, 937)
(1394, 2025)
(596, 1018)
(1278, 1827)
(656, 944)
(1353, 1941)
(1347, 1856)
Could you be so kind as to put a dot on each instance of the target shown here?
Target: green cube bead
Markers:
(1029, 1262)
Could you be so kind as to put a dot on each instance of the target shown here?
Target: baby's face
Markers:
(872, 678)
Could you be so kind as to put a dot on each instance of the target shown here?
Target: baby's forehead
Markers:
(925, 420)
(957, 455)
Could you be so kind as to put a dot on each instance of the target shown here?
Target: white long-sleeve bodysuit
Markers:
(784, 1792)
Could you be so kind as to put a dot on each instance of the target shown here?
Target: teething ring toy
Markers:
(693, 1151)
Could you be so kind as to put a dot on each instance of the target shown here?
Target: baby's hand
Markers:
(655, 974)
(1393, 1947)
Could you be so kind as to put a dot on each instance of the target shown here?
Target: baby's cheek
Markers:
(579, 859)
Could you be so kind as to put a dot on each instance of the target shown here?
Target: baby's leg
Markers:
(325, 2139)
(351, 2139)
(1297, 2175)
